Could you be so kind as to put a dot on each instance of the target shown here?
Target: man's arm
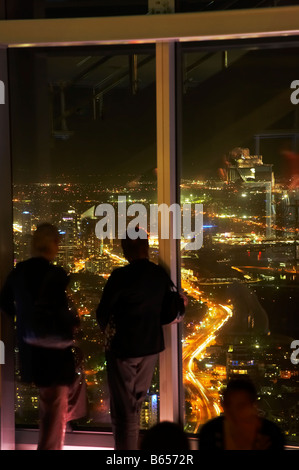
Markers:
(174, 302)
(108, 298)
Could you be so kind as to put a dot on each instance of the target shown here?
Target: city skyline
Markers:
(211, 349)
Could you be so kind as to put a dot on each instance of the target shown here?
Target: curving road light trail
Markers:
(203, 404)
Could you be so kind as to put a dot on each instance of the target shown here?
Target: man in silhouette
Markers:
(131, 312)
(47, 361)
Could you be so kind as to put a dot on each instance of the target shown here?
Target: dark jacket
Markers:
(42, 366)
(131, 309)
(211, 436)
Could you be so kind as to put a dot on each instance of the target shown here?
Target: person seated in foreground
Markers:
(240, 427)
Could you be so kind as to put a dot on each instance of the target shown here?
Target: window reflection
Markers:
(239, 159)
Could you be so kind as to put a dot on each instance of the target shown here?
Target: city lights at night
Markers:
(90, 139)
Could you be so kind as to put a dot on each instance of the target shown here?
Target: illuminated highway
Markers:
(205, 403)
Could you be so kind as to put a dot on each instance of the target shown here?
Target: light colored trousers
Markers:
(53, 408)
(58, 405)
(129, 380)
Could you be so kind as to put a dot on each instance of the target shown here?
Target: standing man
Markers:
(35, 292)
(131, 314)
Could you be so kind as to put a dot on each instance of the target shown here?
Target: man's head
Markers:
(135, 248)
(239, 399)
(45, 241)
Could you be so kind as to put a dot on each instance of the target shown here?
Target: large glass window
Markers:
(18, 9)
(240, 158)
(83, 134)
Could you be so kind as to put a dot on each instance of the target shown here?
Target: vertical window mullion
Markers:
(167, 194)
(7, 391)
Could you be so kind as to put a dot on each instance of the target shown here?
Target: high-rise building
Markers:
(25, 242)
(239, 361)
(248, 168)
(149, 412)
(68, 228)
(26, 223)
(253, 174)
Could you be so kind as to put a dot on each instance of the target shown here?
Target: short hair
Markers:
(135, 247)
(44, 235)
(240, 385)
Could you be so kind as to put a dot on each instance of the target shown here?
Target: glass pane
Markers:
(240, 161)
(83, 134)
